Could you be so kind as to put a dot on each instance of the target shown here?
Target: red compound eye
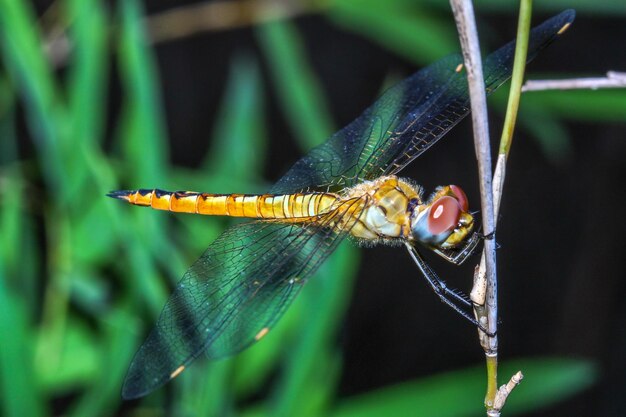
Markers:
(444, 215)
(460, 196)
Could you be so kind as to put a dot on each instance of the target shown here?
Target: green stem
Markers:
(492, 380)
(519, 64)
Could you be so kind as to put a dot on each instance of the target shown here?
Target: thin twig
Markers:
(613, 79)
(464, 16)
(184, 21)
(505, 390)
(486, 314)
(468, 35)
(485, 280)
(221, 15)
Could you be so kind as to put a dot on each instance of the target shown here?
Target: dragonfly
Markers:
(233, 295)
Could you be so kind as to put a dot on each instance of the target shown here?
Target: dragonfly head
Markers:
(444, 222)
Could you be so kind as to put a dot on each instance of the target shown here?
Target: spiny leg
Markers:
(445, 294)
(459, 255)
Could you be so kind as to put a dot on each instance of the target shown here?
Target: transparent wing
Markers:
(407, 119)
(241, 285)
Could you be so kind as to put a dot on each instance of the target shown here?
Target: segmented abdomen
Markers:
(265, 206)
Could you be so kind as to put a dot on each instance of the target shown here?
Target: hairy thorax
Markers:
(388, 202)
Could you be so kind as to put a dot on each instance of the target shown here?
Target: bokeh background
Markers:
(223, 96)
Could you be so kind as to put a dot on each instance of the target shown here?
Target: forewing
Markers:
(407, 119)
(411, 139)
(353, 154)
(240, 286)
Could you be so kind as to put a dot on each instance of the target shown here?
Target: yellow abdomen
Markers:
(264, 206)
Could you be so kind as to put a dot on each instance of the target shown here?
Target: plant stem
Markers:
(613, 79)
(517, 79)
(485, 280)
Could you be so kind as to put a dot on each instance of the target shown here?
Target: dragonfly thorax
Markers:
(387, 214)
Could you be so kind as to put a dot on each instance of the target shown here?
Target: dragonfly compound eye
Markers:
(460, 197)
(444, 216)
(438, 222)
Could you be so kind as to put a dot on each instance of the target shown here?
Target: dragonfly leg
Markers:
(447, 295)
(488, 236)
(458, 255)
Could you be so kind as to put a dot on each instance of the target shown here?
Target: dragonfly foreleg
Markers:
(445, 294)
(458, 255)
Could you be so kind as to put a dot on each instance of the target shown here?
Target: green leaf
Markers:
(547, 381)
(87, 78)
(119, 343)
(607, 105)
(141, 276)
(306, 387)
(8, 144)
(86, 93)
(206, 389)
(549, 132)
(254, 366)
(77, 363)
(90, 221)
(299, 92)
(90, 291)
(19, 392)
(11, 222)
(304, 340)
(29, 70)
(239, 143)
(142, 133)
(18, 239)
(588, 7)
(400, 26)
(460, 393)
(143, 138)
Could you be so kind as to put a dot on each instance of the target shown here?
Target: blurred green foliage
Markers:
(76, 270)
